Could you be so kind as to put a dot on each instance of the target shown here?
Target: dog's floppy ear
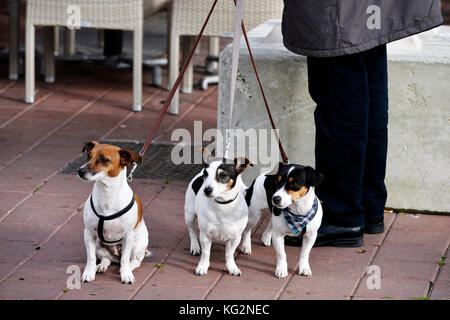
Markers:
(275, 169)
(127, 157)
(313, 177)
(240, 164)
(88, 146)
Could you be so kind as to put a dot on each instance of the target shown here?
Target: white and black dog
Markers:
(216, 197)
(288, 191)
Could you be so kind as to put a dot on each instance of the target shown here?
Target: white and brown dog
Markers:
(215, 197)
(114, 229)
(288, 191)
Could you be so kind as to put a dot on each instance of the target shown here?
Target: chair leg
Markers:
(101, 38)
(56, 31)
(214, 48)
(174, 65)
(49, 54)
(13, 39)
(29, 62)
(69, 42)
(137, 69)
(188, 79)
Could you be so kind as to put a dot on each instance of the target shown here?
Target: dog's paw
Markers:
(88, 276)
(102, 267)
(266, 239)
(201, 270)
(127, 277)
(246, 249)
(234, 270)
(195, 250)
(266, 243)
(281, 272)
(305, 271)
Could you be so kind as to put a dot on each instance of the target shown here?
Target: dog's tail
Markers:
(148, 253)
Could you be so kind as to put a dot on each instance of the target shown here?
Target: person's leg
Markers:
(339, 87)
(113, 47)
(113, 42)
(374, 189)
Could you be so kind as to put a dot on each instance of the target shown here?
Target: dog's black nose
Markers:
(208, 191)
(81, 172)
(276, 199)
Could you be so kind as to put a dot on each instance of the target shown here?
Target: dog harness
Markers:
(297, 223)
(111, 217)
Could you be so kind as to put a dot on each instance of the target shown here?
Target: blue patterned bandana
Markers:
(297, 223)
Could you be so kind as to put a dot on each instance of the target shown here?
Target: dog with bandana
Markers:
(288, 192)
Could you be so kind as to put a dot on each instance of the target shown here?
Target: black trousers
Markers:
(113, 42)
(351, 118)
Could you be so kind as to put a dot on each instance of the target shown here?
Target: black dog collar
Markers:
(228, 201)
(111, 217)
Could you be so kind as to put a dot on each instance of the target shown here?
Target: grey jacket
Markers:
(326, 28)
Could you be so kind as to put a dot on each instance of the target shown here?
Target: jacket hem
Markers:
(335, 52)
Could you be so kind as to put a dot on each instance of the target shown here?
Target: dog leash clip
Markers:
(130, 175)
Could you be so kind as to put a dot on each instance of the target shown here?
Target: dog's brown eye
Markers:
(295, 187)
(222, 175)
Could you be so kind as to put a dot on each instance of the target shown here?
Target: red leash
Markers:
(280, 146)
(180, 77)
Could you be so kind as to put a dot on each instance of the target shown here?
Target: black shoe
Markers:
(374, 228)
(335, 236)
(115, 62)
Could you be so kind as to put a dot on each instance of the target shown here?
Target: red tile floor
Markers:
(41, 227)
